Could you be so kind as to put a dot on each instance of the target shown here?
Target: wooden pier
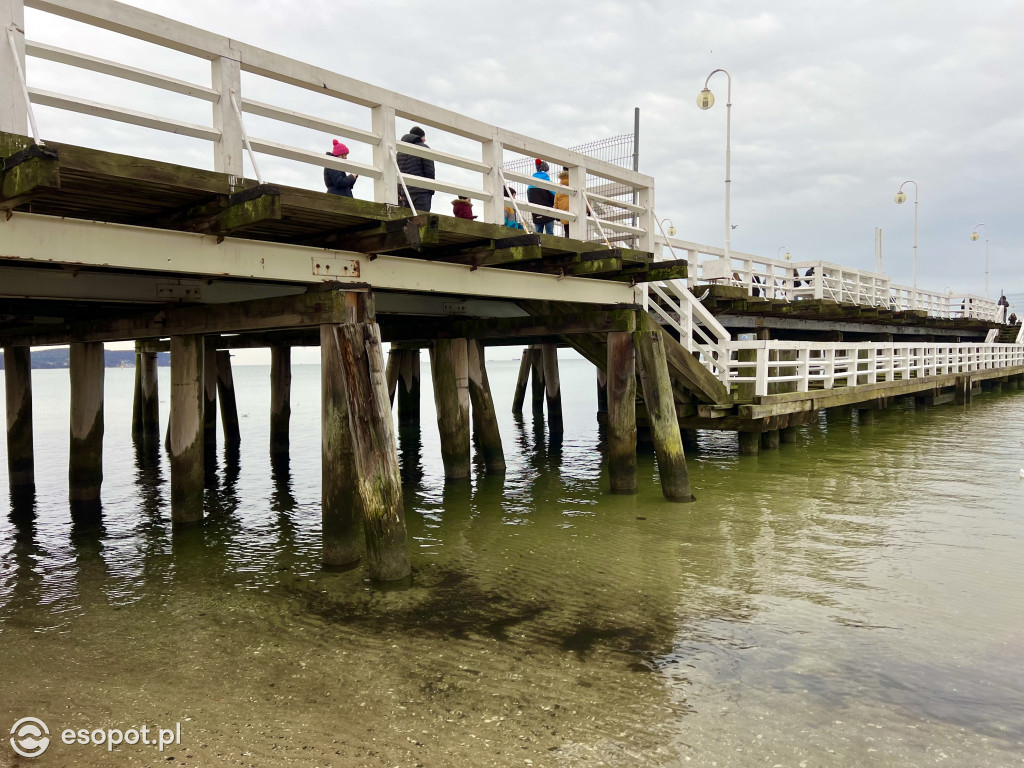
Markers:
(102, 247)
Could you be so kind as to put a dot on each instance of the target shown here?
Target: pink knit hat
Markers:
(339, 149)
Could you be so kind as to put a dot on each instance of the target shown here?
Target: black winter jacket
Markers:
(339, 182)
(416, 166)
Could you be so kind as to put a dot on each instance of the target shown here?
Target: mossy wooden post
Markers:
(18, 387)
(602, 392)
(448, 363)
(378, 481)
(226, 395)
(621, 390)
(186, 428)
(339, 507)
(210, 398)
(749, 443)
(537, 381)
(280, 399)
(661, 412)
(770, 439)
(408, 386)
(962, 388)
(789, 435)
(524, 379)
(85, 473)
(485, 420)
(552, 387)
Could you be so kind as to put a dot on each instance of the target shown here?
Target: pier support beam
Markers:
(770, 440)
(210, 398)
(280, 399)
(661, 412)
(524, 379)
(85, 472)
(788, 435)
(750, 442)
(602, 392)
(379, 483)
(866, 415)
(18, 386)
(449, 369)
(621, 394)
(537, 381)
(340, 510)
(689, 439)
(146, 412)
(485, 420)
(962, 390)
(186, 428)
(552, 387)
(226, 395)
(408, 385)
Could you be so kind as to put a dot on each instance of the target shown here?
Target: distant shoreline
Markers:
(114, 358)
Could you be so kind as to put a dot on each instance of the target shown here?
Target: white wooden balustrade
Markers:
(229, 59)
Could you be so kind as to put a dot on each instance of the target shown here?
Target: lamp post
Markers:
(975, 236)
(671, 230)
(706, 100)
(900, 199)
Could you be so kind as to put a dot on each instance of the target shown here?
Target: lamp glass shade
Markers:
(975, 235)
(900, 198)
(705, 99)
(671, 231)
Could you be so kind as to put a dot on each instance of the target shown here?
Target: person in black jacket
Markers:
(416, 166)
(339, 182)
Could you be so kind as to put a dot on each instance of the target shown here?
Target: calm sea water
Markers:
(856, 599)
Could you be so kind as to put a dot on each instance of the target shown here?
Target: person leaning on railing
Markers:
(545, 225)
(416, 166)
(562, 199)
(511, 220)
(339, 182)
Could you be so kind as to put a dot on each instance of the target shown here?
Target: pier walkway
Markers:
(97, 246)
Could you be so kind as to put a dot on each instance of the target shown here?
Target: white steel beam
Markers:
(53, 240)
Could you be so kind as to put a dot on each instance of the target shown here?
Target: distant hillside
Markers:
(115, 358)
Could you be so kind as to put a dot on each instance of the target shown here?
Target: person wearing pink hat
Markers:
(339, 182)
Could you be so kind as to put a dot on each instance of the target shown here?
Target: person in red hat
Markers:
(339, 182)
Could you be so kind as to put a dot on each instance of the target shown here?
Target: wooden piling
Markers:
(524, 378)
(689, 439)
(280, 398)
(408, 385)
(621, 392)
(537, 381)
(602, 392)
(770, 440)
(85, 471)
(137, 400)
(226, 395)
(661, 412)
(789, 435)
(449, 369)
(187, 428)
(552, 387)
(340, 504)
(150, 399)
(379, 482)
(485, 420)
(750, 443)
(866, 416)
(18, 387)
(210, 398)
(962, 389)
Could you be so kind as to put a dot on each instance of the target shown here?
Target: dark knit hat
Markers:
(542, 166)
(416, 131)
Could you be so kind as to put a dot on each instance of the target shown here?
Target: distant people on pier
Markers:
(463, 208)
(562, 199)
(1004, 304)
(511, 220)
(339, 182)
(1013, 318)
(416, 166)
(543, 224)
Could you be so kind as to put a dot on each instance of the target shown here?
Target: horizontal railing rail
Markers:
(230, 60)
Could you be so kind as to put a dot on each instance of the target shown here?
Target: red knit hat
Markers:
(537, 162)
(339, 149)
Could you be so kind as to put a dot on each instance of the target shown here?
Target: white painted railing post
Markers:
(761, 371)
(819, 281)
(493, 155)
(645, 198)
(692, 268)
(228, 150)
(13, 110)
(382, 123)
(578, 227)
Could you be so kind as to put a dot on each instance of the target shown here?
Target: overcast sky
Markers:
(835, 104)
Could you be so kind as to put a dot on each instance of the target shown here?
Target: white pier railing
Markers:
(822, 365)
(774, 278)
(473, 169)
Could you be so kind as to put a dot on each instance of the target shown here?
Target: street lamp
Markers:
(779, 255)
(706, 100)
(671, 231)
(900, 199)
(975, 236)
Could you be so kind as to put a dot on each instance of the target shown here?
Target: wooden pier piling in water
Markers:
(18, 390)
(280, 399)
(485, 420)
(85, 466)
(450, 374)
(186, 430)
(226, 395)
(621, 393)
